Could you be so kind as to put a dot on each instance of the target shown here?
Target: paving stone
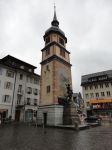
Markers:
(25, 137)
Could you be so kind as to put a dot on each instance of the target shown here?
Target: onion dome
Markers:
(55, 27)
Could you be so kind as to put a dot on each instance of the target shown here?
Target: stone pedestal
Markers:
(50, 115)
(70, 116)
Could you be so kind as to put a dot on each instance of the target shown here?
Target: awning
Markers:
(2, 110)
(100, 101)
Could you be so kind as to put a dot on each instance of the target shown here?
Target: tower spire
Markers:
(55, 22)
(55, 17)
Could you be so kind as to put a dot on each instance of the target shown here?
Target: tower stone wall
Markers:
(55, 74)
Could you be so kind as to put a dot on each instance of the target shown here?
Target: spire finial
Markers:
(55, 21)
(54, 6)
(55, 18)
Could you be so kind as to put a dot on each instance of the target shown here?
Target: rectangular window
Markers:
(87, 96)
(111, 83)
(91, 87)
(107, 84)
(0, 71)
(47, 51)
(20, 88)
(29, 90)
(36, 81)
(28, 101)
(30, 70)
(61, 41)
(22, 67)
(8, 85)
(47, 68)
(47, 40)
(6, 99)
(21, 77)
(19, 98)
(10, 73)
(35, 91)
(28, 78)
(97, 95)
(108, 93)
(31, 79)
(101, 85)
(62, 52)
(96, 86)
(86, 87)
(48, 89)
(35, 101)
(91, 95)
(102, 94)
(93, 79)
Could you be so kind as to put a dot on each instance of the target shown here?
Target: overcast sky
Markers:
(87, 25)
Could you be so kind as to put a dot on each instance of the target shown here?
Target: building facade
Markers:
(55, 74)
(19, 89)
(97, 92)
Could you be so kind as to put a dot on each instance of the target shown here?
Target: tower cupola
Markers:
(55, 27)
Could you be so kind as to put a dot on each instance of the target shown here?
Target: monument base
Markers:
(50, 115)
(70, 116)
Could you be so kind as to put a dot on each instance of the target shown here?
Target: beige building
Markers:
(97, 91)
(55, 74)
(19, 89)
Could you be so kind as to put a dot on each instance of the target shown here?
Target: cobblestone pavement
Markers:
(24, 137)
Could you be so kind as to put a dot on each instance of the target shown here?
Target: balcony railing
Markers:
(29, 92)
(20, 92)
(35, 93)
(35, 104)
(20, 103)
(27, 103)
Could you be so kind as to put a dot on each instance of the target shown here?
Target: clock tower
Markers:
(55, 74)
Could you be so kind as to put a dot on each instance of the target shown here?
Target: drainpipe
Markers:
(24, 99)
(13, 92)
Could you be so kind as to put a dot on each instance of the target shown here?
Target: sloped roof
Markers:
(87, 78)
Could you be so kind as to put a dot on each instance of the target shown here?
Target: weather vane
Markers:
(54, 7)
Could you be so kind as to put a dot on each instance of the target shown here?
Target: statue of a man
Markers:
(69, 93)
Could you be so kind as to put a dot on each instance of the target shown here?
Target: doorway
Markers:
(17, 115)
(29, 115)
(45, 119)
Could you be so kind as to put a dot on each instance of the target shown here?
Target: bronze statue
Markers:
(66, 99)
(69, 93)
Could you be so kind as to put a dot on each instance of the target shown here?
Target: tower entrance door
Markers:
(45, 119)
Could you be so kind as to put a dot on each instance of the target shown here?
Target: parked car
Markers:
(93, 119)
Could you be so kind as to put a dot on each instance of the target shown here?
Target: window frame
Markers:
(47, 40)
(48, 89)
(61, 41)
(10, 73)
(6, 99)
(62, 52)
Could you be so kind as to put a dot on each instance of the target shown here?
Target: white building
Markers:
(19, 89)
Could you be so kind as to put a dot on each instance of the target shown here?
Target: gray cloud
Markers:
(86, 23)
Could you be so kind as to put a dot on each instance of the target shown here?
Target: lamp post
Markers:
(36, 115)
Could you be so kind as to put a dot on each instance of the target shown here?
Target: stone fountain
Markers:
(70, 116)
